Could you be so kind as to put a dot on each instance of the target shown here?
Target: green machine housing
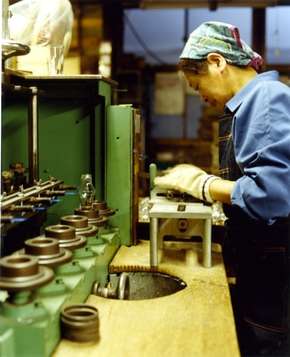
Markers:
(77, 130)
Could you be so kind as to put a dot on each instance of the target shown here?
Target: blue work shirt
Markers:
(261, 137)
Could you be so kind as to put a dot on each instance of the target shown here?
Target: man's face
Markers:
(211, 85)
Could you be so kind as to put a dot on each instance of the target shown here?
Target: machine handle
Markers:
(11, 48)
(152, 175)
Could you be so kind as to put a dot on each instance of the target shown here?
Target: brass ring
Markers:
(90, 213)
(44, 252)
(60, 231)
(23, 273)
(107, 212)
(99, 222)
(76, 243)
(75, 220)
(89, 231)
(99, 205)
(16, 266)
(41, 246)
(80, 323)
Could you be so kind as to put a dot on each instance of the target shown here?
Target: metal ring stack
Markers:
(66, 236)
(20, 273)
(47, 250)
(103, 209)
(80, 323)
(81, 225)
(97, 213)
(93, 215)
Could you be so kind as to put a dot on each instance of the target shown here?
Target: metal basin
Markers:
(140, 286)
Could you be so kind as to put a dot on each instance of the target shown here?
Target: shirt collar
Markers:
(238, 98)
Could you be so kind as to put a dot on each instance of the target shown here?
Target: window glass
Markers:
(277, 35)
(162, 31)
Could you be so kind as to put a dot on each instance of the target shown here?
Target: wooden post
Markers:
(259, 31)
(113, 31)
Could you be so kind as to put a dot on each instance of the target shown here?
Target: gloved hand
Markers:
(187, 178)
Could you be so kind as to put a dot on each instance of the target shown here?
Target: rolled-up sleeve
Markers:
(261, 136)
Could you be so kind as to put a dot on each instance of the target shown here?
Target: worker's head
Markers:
(214, 58)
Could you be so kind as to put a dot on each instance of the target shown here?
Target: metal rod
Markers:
(92, 124)
(21, 208)
(154, 242)
(206, 244)
(33, 136)
(23, 195)
(152, 175)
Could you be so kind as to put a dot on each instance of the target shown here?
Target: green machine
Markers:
(63, 127)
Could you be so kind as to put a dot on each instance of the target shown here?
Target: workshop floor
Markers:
(197, 321)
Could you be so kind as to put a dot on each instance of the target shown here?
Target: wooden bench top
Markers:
(195, 322)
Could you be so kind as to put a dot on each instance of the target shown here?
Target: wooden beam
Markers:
(259, 31)
(212, 5)
(113, 21)
(205, 3)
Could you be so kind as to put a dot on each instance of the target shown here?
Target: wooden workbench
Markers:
(194, 322)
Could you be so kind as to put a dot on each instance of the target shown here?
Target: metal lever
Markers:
(54, 193)
(40, 200)
(21, 208)
(123, 286)
(11, 48)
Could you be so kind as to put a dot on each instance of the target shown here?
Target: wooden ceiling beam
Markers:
(162, 4)
(211, 4)
(259, 31)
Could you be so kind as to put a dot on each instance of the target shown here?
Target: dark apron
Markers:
(258, 254)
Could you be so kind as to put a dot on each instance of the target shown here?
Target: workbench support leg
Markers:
(206, 244)
(154, 242)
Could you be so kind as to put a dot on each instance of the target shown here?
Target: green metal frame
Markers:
(78, 133)
(119, 168)
(14, 121)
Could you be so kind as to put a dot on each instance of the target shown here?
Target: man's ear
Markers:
(217, 60)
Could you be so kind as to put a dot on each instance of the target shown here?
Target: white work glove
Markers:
(187, 178)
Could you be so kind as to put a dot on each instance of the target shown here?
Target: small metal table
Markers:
(180, 210)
